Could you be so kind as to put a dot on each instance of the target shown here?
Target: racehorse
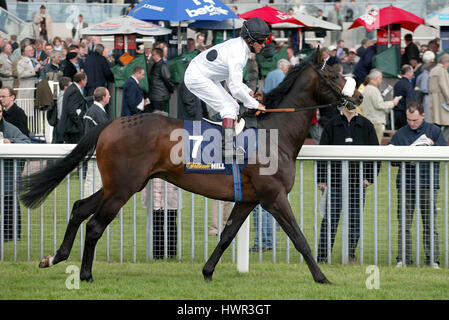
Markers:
(132, 150)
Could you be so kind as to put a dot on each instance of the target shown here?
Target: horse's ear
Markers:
(318, 56)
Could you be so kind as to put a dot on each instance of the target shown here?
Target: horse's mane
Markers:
(274, 98)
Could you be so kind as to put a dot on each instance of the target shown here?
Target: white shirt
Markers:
(100, 105)
(232, 56)
(81, 90)
(141, 105)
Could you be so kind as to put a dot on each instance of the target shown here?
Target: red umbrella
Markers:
(271, 16)
(386, 16)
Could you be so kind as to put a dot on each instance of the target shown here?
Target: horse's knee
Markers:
(93, 231)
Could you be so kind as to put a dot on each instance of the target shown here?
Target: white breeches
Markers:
(211, 92)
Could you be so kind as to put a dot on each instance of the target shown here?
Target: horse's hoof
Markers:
(46, 262)
(87, 278)
(207, 278)
(324, 281)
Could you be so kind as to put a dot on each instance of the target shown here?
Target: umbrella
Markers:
(182, 10)
(125, 25)
(314, 24)
(271, 16)
(229, 24)
(386, 16)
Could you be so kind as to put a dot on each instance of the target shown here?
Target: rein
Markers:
(301, 109)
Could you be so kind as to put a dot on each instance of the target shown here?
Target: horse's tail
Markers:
(36, 187)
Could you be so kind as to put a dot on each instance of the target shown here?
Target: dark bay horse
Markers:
(132, 150)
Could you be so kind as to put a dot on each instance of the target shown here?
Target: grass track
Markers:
(173, 281)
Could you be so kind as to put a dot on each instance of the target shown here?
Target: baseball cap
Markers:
(332, 47)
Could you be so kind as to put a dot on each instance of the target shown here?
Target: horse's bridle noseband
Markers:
(342, 99)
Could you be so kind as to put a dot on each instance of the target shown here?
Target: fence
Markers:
(130, 236)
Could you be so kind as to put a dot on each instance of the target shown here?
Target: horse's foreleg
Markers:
(282, 211)
(81, 210)
(235, 221)
(94, 230)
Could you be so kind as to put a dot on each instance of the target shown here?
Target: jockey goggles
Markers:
(260, 41)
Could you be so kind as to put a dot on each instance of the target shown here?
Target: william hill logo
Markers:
(200, 166)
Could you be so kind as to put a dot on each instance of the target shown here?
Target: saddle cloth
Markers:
(203, 147)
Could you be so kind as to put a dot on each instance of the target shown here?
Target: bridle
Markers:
(343, 100)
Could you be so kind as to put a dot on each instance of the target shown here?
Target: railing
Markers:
(130, 236)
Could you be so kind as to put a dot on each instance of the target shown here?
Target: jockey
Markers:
(225, 61)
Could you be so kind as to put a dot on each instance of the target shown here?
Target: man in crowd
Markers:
(77, 26)
(6, 62)
(411, 50)
(97, 69)
(11, 134)
(133, 101)
(347, 128)
(439, 94)
(160, 85)
(349, 64)
(95, 116)
(27, 70)
(11, 112)
(375, 109)
(74, 107)
(70, 66)
(403, 88)
(431, 135)
(275, 77)
(51, 70)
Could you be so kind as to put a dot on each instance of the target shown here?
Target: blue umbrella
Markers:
(182, 10)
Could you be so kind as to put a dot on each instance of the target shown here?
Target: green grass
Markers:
(173, 281)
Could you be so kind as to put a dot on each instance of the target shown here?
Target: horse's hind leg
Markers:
(238, 215)
(282, 211)
(94, 230)
(81, 210)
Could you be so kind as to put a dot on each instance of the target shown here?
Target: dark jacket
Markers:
(364, 66)
(405, 89)
(93, 117)
(98, 72)
(333, 60)
(17, 117)
(12, 133)
(190, 107)
(49, 69)
(74, 107)
(68, 69)
(405, 137)
(411, 52)
(362, 132)
(160, 85)
(132, 96)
